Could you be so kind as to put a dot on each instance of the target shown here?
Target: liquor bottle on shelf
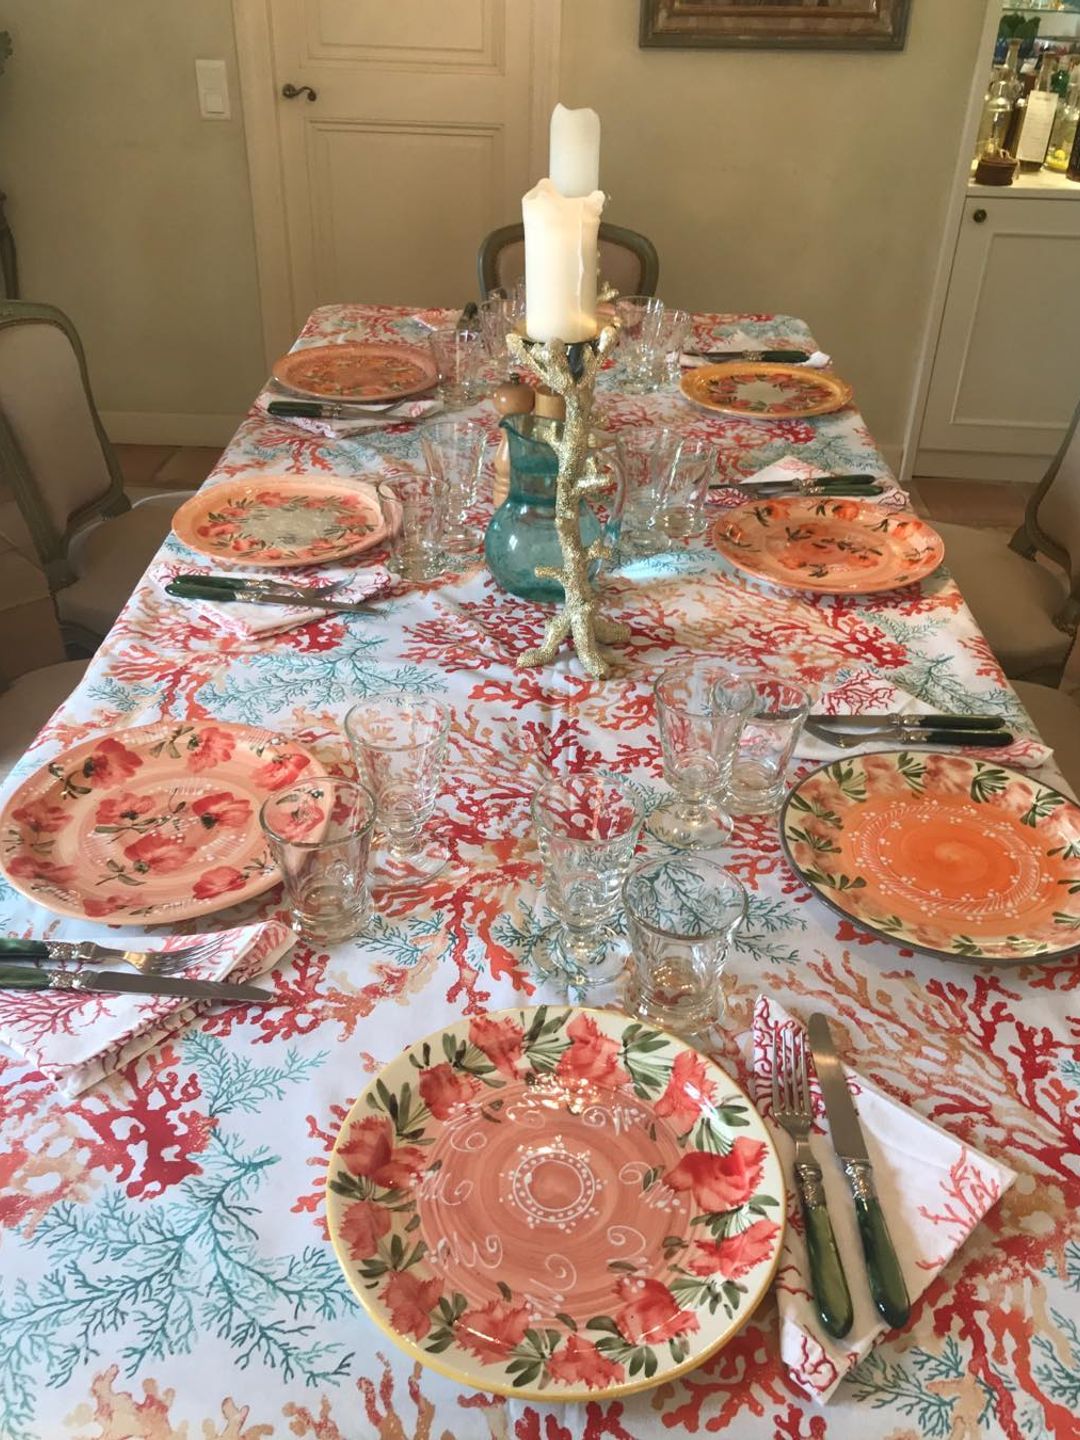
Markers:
(1073, 171)
(1005, 89)
(1065, 128)
(1030, 136)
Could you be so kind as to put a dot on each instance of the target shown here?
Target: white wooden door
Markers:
(1006, 377)
(422, 137)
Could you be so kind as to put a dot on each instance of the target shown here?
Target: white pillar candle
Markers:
(574, 157)
(560, 263)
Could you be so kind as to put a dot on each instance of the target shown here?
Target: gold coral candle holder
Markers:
(570, 370)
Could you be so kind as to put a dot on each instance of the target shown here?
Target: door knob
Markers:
(979, 216)
(293, 92)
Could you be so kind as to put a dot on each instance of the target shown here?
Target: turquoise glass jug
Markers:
(521, 534)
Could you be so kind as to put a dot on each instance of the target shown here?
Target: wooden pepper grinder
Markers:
(512, 398)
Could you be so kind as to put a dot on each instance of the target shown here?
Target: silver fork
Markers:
(86, 952)
(792, 1111)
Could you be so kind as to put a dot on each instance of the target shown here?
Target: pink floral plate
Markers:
(278, 521)
(554, 1203)
(153, 824)
(357, 370)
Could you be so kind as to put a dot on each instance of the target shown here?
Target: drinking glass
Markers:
(319, 833)
(399, 745)
(500, 314)
(418, 501)
(459, 358)
(687, 489)
(671, 337)
(700, 710)
(649, 455)
(778, 711)
(682, 914)
(453, 451)
(586, 826)
(640, 318)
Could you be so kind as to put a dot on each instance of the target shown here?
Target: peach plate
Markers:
(765, 390)
(357, 370)
(828, 546)
(941, 853)
(153, 824)
(556, 1203)
(275, 522)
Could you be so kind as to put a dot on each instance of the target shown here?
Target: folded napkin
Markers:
(404, 412)
(861, 692)
(817, 360)
(933, 1189)
(256, 621)
(76, 1038)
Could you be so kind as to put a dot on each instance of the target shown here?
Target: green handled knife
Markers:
(114, 982)
(882, 1267)
(183, 588)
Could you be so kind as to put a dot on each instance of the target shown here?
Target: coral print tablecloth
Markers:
(164, 1266)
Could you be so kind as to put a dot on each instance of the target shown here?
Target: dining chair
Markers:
(28, 702)
(1056, 716)
(62, 498)
(1026, 594)
(628, 260)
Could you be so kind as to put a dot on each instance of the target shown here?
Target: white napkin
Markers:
(817, 360)
(357, 585)
(861, 692)
(933, 1189)
(406, 412)
(76, 1038)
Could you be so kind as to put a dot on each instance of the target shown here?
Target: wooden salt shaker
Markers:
(512, 398)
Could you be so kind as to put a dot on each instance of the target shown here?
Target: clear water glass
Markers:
(587, 826)
(682, 914)
(640, 318)
(459, 357)
(500, 314)
(758, 781)
(398, 743)
(671, 337)
(453, 452)
(649, 456)
(319, 833)
(684, 497)
(701, 707)
(419, 503)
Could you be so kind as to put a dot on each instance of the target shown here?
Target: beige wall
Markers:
(812, 183)
(130, 212)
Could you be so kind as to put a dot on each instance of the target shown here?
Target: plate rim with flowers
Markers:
(525, 1376)
(695, 380)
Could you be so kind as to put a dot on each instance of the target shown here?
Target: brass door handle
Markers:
(293, 92)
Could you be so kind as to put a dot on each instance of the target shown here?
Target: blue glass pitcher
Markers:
(521, 534)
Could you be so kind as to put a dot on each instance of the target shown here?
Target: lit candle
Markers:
(574, 156)
(560, 263)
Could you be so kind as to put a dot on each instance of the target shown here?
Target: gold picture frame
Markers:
(775, 24)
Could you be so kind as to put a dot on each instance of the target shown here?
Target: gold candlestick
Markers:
(570, 370)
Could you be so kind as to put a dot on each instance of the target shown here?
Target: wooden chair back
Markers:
(628, 260)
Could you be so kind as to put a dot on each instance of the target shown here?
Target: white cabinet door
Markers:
(1006, 374)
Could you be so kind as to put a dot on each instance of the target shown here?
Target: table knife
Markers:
(114, 982)
(836, 490)
(882, 1267)
(182, 589)
(319, 410)
(770, 357)
(908, 720)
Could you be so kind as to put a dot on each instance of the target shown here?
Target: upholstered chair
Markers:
(61, 492)
(1026, 595)
(628, 261)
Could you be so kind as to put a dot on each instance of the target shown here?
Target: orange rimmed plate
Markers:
(150, 825)
(828, 546)
(556, 1203)
(357, 370)
(765, 390)
(941, 853)
(277, 521)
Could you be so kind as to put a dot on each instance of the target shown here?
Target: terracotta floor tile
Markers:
(974, 502)
(140, 463)
(188, 467)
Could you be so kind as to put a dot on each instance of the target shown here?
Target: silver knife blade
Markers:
(847, 1136)
(906, 721)
(115, 982)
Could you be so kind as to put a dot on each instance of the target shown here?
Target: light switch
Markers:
(213, 86)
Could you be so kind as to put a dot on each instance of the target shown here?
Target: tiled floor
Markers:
(180, 467)
(971, 502)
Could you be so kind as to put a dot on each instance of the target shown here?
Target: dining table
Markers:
(165, 1266)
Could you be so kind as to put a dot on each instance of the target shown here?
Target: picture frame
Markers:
(775, 24)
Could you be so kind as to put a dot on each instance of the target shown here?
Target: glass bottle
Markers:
(1029, 134)
(1063, 135)
(1005, 90)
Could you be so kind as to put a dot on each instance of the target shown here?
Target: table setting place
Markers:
(543, 917)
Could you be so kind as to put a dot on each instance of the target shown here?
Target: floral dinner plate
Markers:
(357, 370)
(828, 546)
(940, 852)
(553, 1203)
(277, 522)
(765, 391)
(153, 824)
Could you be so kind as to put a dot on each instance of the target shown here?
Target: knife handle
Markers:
(984, 739)
(12, 948)
(195, 590)
(882, 1267)
(25, 977)
(310, 409)
(965, 722)
(827, 1279)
